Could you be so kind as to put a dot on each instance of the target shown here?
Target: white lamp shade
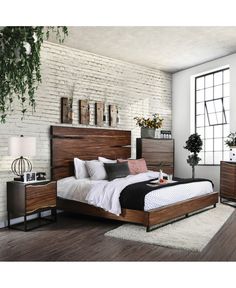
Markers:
(22, 146)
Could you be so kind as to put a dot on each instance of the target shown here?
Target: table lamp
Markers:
(21, 147)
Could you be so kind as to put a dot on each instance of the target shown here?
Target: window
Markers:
(212, 105)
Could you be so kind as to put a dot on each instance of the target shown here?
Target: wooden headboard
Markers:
(86, 144)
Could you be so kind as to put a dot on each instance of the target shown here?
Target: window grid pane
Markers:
(212, 122)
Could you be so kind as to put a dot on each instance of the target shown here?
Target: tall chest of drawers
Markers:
(158, 153)
(227, 181)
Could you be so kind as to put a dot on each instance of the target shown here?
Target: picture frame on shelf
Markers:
(30, 177)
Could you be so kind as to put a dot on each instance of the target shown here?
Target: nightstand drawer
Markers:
(40, 196)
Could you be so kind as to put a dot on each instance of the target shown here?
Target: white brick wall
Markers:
(135, 89)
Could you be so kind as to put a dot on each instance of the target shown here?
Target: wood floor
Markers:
(80, 238)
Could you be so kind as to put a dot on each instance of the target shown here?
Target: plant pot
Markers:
(148, 132)
(232, 154)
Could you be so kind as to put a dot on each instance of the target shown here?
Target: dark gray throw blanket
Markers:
(132, 197)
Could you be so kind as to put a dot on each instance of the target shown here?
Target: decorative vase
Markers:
(148, 132)
(232, 154)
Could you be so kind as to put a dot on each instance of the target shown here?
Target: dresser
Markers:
(158, 153)
(227, 182)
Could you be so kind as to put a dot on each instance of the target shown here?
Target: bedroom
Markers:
(131, 69)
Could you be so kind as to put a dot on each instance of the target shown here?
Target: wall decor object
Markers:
(118, 116)
(105, 112)
(113, 115)
(20, 64)
(21, 147)
(66, 110)
(84, 113)
(99, 106)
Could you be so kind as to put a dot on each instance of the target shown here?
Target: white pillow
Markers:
(96, 170)
(80, 169)
(106, 160)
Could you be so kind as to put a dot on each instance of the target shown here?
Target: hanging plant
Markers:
(20, 63)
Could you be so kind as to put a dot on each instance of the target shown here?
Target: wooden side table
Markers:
(24, 199)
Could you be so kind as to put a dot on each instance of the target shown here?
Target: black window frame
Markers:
(223, 111)
(204, 101)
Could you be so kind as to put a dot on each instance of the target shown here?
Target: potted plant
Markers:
(194, 146)
(231, 143)
(149, 125)
(231, 140)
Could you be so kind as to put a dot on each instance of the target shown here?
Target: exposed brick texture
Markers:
(135, 89)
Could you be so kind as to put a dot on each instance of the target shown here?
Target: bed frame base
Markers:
(147, 218)
(149, 229)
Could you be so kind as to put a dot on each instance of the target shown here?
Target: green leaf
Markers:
(20, 72)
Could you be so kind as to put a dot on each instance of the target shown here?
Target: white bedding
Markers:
(105, 194)
(75, 189)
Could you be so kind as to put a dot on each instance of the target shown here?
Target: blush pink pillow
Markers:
(135, 166)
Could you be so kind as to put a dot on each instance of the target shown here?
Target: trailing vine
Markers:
(20, 63)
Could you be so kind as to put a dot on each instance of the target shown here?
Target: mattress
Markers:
(105, 194)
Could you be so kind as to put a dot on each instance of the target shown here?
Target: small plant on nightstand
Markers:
(194, 146)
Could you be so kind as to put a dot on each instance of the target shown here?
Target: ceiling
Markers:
(167, 48)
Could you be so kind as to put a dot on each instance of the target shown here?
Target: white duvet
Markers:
(105, 194)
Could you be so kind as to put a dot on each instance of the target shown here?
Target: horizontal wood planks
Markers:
(81, 238)
(147, 218)
(154, 145)
(87, 144)
(228, 180)
(157, 216)
(40, 196)
(158, 153)
(127, 215)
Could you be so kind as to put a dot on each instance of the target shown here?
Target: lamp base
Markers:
(21, 178)
(19, 166)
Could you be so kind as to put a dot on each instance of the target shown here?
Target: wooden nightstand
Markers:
(24, 199)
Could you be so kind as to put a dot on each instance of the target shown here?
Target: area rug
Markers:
(192, 233)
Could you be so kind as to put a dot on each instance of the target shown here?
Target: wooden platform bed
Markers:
(88, 144)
